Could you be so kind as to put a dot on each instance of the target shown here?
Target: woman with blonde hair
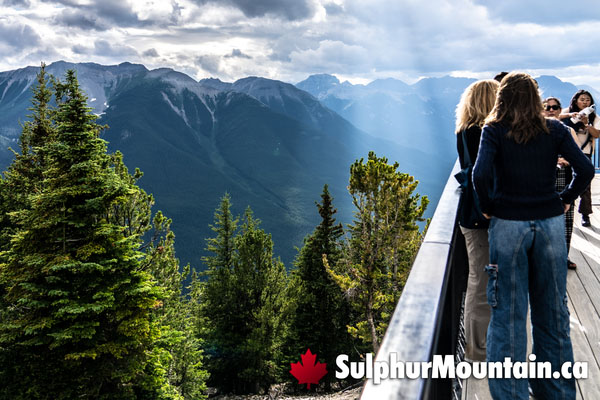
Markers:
(514, 177)
(475, 104)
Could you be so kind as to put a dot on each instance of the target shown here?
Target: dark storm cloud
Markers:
(106, 49)
(209, 63)
(80, 19)
(543, 12)
(237, 53)
(79, 49)
(334, 9)
(150, 53)
(69, 3)
(105, 14)
(15, 3)
(18, 35)
(288, 9)
(116, 11)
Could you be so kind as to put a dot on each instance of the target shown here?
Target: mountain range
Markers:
(271, 145)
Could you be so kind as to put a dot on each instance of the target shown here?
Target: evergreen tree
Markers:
(241, 304)
(177, 351)
(384, 240)
(260, 282)
(214, 298)
(78, 304)
(24, 176)
(319, 314)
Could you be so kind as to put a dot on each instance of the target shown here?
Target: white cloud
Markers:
(290, 40)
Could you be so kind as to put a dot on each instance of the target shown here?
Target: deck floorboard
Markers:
(583, 291)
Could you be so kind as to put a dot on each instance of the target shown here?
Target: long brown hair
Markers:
(475, 104)
(519, 108)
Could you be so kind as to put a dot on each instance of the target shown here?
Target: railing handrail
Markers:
(414, 329)
(596, 156)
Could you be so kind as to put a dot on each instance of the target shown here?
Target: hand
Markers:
(489, 216)
(562, 162)
(584, 119)
(566, 206)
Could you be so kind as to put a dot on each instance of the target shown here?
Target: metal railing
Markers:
(427, 319)
(596, 156)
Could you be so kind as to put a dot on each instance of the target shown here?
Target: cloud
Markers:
(332, 56)
(291, 39)
(81, 20)
(543, 11)
(17, 3)
(105, 49)
(209, 63)
(150, 53)
(333, 9)
(17, 35)
(291, 10)
(82, 50)
(105, 14)
(237, 53)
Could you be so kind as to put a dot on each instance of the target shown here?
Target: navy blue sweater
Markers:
(517, 181)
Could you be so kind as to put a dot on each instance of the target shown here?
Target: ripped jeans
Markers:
(528, 262)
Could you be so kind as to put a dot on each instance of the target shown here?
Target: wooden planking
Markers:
(583, 289)
(586, 388)
(583, 294)
(476, 389)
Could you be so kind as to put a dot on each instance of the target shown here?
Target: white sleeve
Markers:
(596, 123)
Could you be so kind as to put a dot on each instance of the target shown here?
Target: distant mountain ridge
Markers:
(267, 143)
(421, 115)
(270, 144)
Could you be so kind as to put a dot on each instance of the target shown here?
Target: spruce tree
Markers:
(24, 175)
(319, 314)
(177, 351)
(78, 302)
(242, 303)
(260, 283)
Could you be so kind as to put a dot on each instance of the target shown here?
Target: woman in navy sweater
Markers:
(514, 177)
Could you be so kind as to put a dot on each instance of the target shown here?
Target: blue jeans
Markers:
(528, 261)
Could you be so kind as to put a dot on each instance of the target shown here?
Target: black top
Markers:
(525, 173)
(473, 135)
(467, 206)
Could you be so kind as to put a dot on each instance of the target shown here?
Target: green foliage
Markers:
(85, 313)
(383, 243)
(177, 352)
(318, 310)
(24, 176)
(242, 303)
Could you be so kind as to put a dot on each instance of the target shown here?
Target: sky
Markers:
(288, 40)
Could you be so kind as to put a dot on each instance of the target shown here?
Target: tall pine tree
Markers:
(319, 313)
(78, 304)
(177, 351)
(384, 240)
(24, 175)
(242, 302)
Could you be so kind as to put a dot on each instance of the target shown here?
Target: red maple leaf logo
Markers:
(309, 371)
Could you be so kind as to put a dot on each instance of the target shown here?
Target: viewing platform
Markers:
(427, 319)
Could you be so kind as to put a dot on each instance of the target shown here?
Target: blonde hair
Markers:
(519, 108)
(475, 104)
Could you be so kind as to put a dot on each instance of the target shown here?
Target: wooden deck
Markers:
(583, 290)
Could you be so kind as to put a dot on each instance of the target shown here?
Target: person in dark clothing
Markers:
(514, 177)
(475, 104)
(553, 109)
(500, 75)
(588, 129)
